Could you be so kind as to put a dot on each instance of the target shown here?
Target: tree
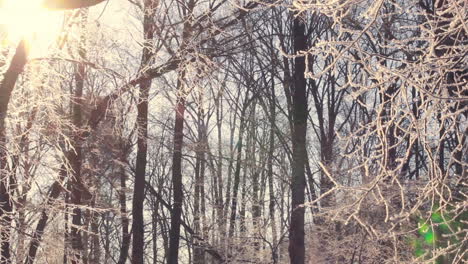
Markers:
(149, 8)
(299, 132)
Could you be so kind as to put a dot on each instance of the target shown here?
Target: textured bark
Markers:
(243, 193)
(125, 222)
(9, 80)
(199, 202)
(271, 188)
(66, 229)
(77, 188)
(237, 178)
(229, 176)
(255, 173)
(177, 185)
(174, 233)
(6, 88)
(385, 118)
(139, 187)
(296, 229)
(142, 140)
(154, 232)
(221, 220)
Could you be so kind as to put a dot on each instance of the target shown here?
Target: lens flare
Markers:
(27, 19)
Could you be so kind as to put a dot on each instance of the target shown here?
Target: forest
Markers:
(233, 131)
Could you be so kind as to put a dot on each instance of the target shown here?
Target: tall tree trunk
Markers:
(177, 185)
(298, 183)
(198, 256)
(220, 219)
(66, 235)
(199, 203)
(77, 187)
(235, 189)
(6, 207)
(256, 206)
(85, 236)
(142, 140)
(140, 172)
(174, 233)
(415, 109)
(154, 231)
(96, 248)
(271, 187)
(243, 202)
(124, 217)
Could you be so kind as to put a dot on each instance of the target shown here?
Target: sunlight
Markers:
(29, 20)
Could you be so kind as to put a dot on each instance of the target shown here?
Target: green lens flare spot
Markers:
(423, 228)
(429, 237)
(419, 252)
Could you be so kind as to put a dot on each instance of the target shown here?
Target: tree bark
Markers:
(174, 233)
(125, 222)
(142, 140)
(6, 88)
(237, 179)
(199, 203)
(296, 229)
(77, 188)
(271, 188)
(139, 187)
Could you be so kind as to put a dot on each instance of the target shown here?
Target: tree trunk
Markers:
(142, 140)
(124, 218)
(140, 172)
(296, 229)
(237, 179)
(271, 188)
(154, 233)
(221, 221)
(77, 187)
(96, 249)
(66, 235)
(174, 233)
(6, 88)
(198, 256)
(199, 203)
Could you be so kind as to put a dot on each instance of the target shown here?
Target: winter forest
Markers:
(233, 131)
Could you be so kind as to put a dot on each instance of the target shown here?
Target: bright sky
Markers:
(27, 19)
(41, 27)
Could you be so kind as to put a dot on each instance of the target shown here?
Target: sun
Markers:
(28, 19)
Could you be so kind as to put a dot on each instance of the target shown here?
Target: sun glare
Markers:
(29, 20)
